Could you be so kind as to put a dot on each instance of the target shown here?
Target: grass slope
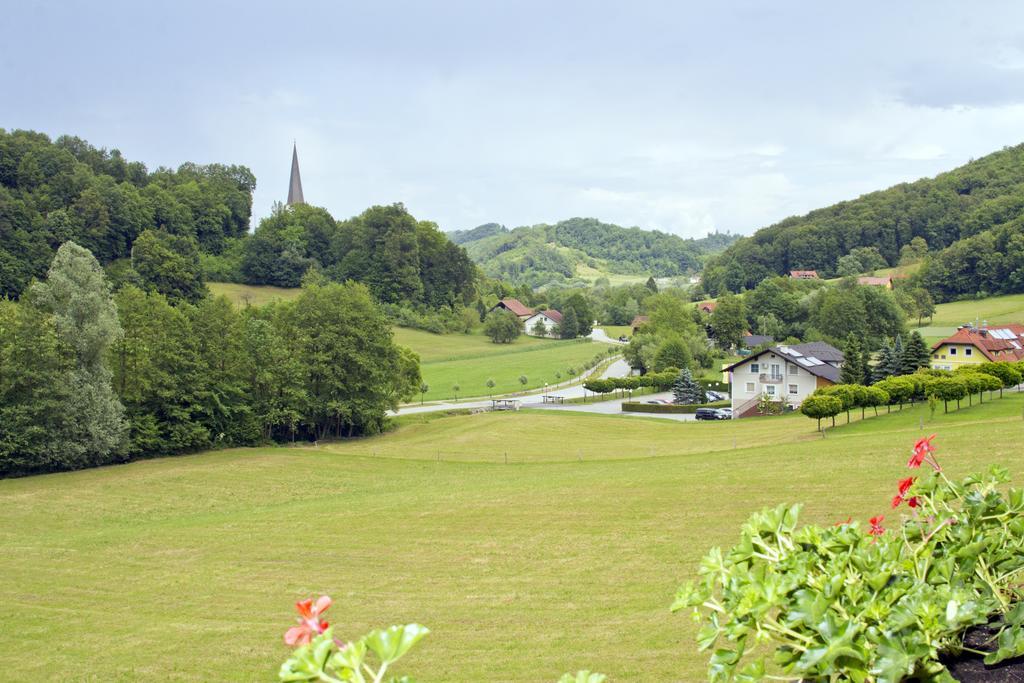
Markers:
(470, 359)
(186, 568)
(251, 295)
(995, 309)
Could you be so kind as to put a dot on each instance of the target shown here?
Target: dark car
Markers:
(707, 414)
(623, 338)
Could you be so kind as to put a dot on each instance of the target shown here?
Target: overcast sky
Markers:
(685, 117)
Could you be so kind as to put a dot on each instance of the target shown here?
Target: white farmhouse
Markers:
(785, 373)
(551, 319)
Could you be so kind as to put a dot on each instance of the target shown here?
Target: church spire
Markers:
(295, 184)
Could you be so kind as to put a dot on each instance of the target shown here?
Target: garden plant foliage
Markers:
(867, 604)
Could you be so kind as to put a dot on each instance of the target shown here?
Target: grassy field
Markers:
(470, 359)
(567, 557)
(995, 309)
(467, 359)
(616, 331)
(251, 295)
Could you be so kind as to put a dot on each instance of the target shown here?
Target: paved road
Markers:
(599, 335)
(533, 399)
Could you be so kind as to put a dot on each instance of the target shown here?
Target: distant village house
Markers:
(550, 319)
(875, 281)
(804, 274)
(638, 322)
(516, 306)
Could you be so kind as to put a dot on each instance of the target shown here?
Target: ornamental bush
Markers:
(866, 603)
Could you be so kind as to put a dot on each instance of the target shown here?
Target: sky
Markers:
(678, 116)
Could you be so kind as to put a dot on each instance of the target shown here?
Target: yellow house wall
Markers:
(944, 360)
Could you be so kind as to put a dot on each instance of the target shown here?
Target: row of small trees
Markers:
(685, 389)
(926, 384)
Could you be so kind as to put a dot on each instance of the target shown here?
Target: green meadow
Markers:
(469, 360)
(566, 557)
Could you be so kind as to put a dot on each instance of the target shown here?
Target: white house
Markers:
(550, 319)
(785, 373)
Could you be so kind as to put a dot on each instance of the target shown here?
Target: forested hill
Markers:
(55, 191)
(182, 226)
(543, 254)
(982, 201)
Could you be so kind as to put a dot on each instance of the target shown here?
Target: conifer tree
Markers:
(884, 367)
(569, 329)
(686, 390)
(897, 357)
(852, 370)
(915, 354)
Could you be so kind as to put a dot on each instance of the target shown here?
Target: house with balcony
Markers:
(971, 345)
(786, 373)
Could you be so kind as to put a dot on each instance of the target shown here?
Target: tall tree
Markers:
(729, 321)
(915, 354)
(76, 293)
(851, 372)
(569, 327)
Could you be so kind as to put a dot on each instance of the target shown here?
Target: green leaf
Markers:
(392, 643)
(1010, 644)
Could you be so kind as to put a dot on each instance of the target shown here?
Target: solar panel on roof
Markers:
(806, 362)
(815, 361)
(1016, 344)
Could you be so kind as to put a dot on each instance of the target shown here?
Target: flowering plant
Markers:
(876, 605)
(321, 657)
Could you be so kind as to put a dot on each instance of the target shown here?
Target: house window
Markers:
(755, 368)
(770, 389)
(776, 372)
(750, 387)
(792, 369)
(968, 352)
(952, 350)
(793, 390)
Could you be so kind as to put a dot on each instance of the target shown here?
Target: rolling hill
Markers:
(969, 219)
(584, 249)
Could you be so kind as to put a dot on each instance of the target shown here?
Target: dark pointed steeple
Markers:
(295, 184)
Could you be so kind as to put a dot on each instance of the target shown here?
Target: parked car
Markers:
(725, 413)
(623, 338)
(707, 414)
(715, 396)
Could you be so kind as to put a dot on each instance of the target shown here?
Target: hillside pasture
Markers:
(186, 568)
(994, 309)
(471, 359)
(252, 295)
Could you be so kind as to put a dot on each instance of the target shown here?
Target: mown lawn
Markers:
(186, 568)
(469, 360)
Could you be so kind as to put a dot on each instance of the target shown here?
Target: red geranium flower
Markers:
(913, 502)
(876, 525)
(904, 486)
(309, 621)
(921, 450)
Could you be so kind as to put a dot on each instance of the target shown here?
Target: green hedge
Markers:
(634, 407)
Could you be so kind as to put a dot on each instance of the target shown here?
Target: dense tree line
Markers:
(541, 254)
(53, 191)
(900, 222)
(400, 259)
(88, 377)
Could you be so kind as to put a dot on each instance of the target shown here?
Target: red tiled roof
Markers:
(639, 320)
(516, 306)
(874, 281)
(810, 274)
(553, 314)
(994, 347)
(708, 306)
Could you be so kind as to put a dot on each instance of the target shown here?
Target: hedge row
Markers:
(634, 407)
